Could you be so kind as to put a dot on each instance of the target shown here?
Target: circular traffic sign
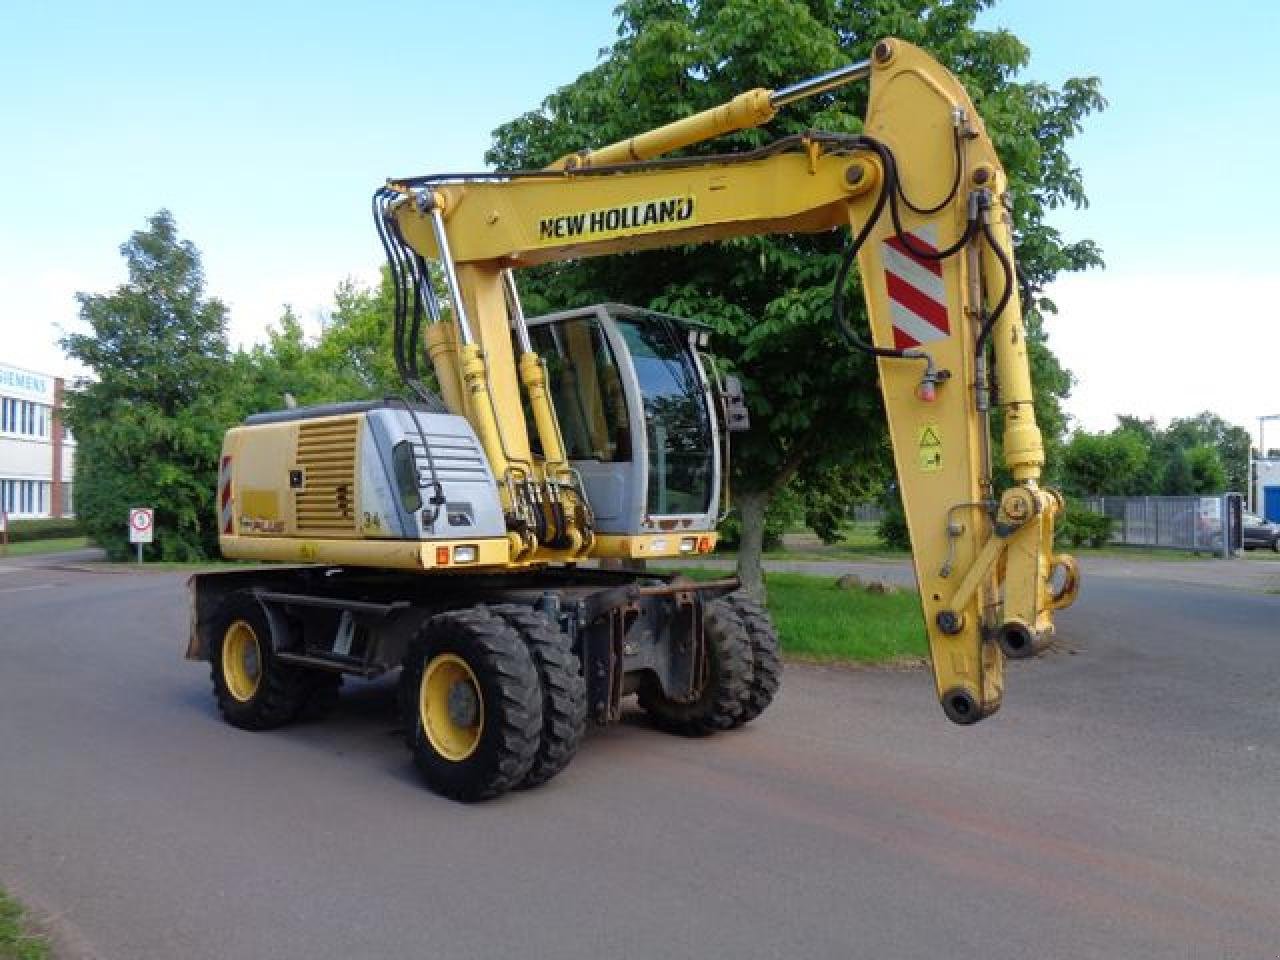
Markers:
(140, 518)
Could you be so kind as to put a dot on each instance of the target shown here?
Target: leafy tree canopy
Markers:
(1107, 464)
(1194, 455)
(149, 422)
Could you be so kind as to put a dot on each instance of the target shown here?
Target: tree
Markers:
(769, 298)
(286, 365)
(1140, 459)
(357, 339)
(827, 496)
(1195, 470)
(1230, 444)
(149, 421)
(350, 360)
(1106, 464)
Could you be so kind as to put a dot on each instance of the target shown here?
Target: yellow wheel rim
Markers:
(451, 707)
(241, 661)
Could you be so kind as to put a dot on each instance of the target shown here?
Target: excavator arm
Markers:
(926, 202)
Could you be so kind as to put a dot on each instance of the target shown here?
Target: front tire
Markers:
(474, 706)
(564, 691)
(719, 703)
(253, 690)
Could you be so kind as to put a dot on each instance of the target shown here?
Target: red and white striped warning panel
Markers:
(224, 494)
(917, 292)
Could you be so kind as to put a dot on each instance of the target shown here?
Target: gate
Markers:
(1199, 524)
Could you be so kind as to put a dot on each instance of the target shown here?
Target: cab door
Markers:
(637, 416)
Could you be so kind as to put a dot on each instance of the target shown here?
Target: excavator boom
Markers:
(924, 195)
(450, 534)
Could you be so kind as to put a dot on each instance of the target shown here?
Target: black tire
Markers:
(564, 691)
(766, 667)
(280, 691)
(509, 726)
(718, 705)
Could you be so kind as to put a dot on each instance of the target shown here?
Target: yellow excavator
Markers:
(456, 531)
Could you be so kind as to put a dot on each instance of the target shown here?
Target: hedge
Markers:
(45, 528)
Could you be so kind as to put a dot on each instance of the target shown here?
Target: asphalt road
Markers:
(1124, 804)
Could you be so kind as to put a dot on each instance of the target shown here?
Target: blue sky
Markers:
(264, 128)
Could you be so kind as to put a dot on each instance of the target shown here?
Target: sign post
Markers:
(141, 527)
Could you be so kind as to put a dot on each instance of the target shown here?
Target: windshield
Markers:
(586, 389)
(676, 420)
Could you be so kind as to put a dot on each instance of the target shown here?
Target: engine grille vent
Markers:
(326, 503)
(456, 456)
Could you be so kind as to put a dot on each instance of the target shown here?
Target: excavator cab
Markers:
(641, 421)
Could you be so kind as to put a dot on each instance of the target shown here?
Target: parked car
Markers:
(1260, 533)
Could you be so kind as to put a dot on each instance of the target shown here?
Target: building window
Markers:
(26, 498)
(26, 418)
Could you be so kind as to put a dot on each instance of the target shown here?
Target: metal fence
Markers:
(1208, 524)
(868, 513)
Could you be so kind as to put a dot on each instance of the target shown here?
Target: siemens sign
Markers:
(15, 382)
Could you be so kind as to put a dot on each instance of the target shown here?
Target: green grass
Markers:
(30, 547)
(860, 543)
(818, 620)
(17, 942)
(169, 566)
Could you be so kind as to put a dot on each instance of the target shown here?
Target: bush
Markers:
(1079, 526)
(50, 528)
(892, 529)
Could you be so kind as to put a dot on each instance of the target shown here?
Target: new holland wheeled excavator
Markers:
(455, 532)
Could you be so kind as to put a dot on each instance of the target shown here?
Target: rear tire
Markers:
(473, 704)
(253, 690)
(766, 667)
(564, 691)
(719, 704)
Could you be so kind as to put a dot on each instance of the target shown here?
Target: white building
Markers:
(36, 453)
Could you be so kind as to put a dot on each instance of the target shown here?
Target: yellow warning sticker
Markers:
(929, 448)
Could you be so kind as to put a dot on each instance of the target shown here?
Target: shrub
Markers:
(48, 528)
(892, 529)
(1079, 526)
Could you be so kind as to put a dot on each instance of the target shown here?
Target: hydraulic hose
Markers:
(890, 192)
(955, 182)
(1006, 268)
